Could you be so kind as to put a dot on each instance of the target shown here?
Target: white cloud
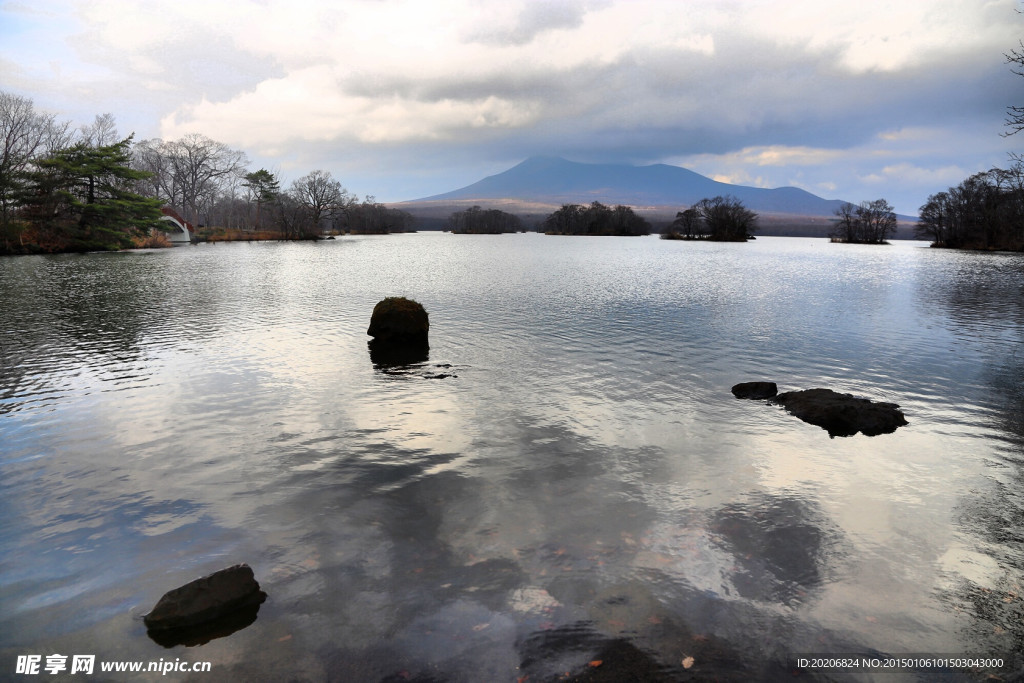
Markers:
(328, 113)
(740, 177)
(770, 155)
(908, 173)
(885, 35)
(764, 91)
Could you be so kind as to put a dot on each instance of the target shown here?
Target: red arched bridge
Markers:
(182, 230)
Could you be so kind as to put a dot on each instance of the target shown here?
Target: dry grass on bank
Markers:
(155, 240)
(238, 235)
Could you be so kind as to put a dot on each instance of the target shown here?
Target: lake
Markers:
(565, 486)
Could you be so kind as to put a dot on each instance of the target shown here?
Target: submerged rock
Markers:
(842, 414)
(532, 599)
(206, 599)
(755, 390)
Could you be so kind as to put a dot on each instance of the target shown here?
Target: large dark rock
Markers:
(206, 599)
(399, 329)
(842, 414)
(755, 390)
(399, 321)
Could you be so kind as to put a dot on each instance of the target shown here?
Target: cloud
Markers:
(907, 173)
(331, 113)
(779, 155)
(779, 91)
(879, 165)
(527, 22)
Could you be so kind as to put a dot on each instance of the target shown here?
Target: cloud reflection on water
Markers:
(586, 485)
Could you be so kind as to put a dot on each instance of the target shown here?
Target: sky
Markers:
(402, 99)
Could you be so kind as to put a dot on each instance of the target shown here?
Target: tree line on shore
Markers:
(571, 219)
(985, 211)
(478, 221)
(595, 219)
(79, 189)
(86, 188)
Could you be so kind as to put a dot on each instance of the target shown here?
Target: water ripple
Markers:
(166, 413)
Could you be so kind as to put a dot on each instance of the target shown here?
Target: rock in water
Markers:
(206, 599)
(842, 414)
(755, 390)
(399, 329)
(399, 321)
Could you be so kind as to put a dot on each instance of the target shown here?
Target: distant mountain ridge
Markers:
(554, 179)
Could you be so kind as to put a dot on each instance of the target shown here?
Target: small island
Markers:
(719, 219)
(478, 221)
(596, 219)
(869, 223)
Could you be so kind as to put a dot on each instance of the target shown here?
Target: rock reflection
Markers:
(201, 634)
(780, 546)
(398, 361)
(391, 357)
(667, 651)
(587, 655)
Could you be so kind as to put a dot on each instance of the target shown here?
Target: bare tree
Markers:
(846, 229)
(985, 211)
(25, 135)
(153, 157)
(686, 225)
(1015, 114)
(199, 166)
(101, 132)
(59, 135)
(869, 223)
(322, 195)
(935, 219)
(230, 208)
(726, 219)
(878, 219)
(568, 220)
(476, 220)
(368, 217)
(190, 174)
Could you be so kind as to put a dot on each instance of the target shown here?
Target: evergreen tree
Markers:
(264, 188)
(79, 199)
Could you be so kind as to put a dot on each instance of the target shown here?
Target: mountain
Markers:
(557, 180)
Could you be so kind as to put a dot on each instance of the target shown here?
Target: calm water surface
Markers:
(581, 487)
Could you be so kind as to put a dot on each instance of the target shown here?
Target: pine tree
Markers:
(79, 199)
(264, 188)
